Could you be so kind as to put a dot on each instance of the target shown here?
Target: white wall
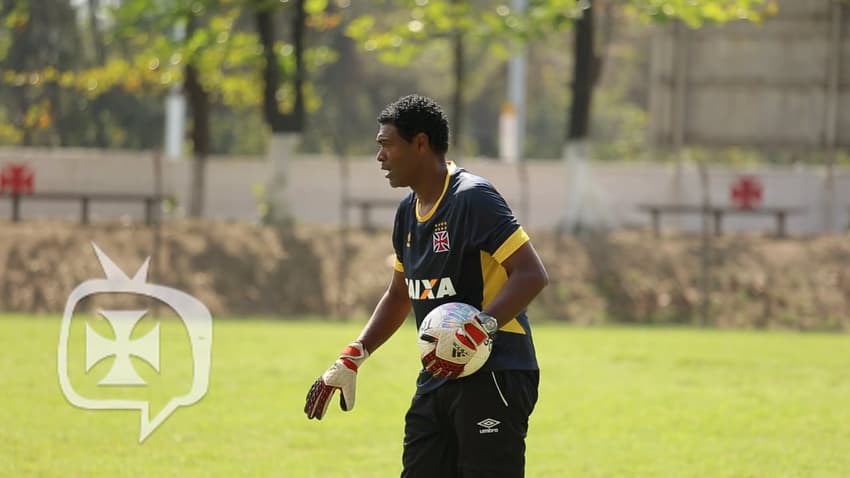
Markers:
(316, 188)
(781, 84)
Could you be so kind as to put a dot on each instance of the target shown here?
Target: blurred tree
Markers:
(343, 80)
(99, 46)
(557, 14)
(587, 61)
(213, 60)
(457, 34)
(286, 127)
(124, 57)
(199, 105)
(399, 36)
(38, 39)
(404, 31)
(279, 121)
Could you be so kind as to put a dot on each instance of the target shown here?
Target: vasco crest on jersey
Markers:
(441, 237)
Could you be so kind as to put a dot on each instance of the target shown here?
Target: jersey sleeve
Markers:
(398, 236)
(492, 226)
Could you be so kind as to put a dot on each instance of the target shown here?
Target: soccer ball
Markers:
(451, 316)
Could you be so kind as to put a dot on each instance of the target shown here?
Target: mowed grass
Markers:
(614, 402)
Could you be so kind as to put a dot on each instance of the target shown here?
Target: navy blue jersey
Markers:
(454, 254)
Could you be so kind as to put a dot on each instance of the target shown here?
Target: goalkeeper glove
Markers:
(342, 376)
(454, 348)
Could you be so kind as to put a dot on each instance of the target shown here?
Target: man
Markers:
(455, 240)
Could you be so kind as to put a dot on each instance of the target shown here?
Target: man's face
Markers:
(397, 156)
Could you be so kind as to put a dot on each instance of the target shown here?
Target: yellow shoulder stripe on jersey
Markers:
(398, 265)
(450, 168)
(511, 244)
(494, 276)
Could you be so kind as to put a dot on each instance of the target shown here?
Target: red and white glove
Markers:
(342, 376)
(454, 348)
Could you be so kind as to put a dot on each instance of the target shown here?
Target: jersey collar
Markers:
(450, 169)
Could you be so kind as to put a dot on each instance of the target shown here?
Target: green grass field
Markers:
(614, 402)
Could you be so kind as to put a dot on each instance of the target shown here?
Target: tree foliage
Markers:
(400, 38)
(52, 75)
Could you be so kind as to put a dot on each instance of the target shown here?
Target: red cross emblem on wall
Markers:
(16, 179)
(746, 192)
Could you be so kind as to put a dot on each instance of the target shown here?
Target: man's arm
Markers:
(389, 314)
(526, 278)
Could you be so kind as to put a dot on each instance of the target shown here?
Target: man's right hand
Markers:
(342, 376)
(454, 348)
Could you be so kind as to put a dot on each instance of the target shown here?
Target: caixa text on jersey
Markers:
(423, 289)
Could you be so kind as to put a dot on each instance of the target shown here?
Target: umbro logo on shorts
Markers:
(488, 425)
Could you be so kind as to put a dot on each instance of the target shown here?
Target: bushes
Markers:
(624, 277)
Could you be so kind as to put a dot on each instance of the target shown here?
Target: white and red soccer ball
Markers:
(451, 316)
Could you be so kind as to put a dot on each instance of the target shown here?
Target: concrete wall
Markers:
(784, 84)
(316, 188)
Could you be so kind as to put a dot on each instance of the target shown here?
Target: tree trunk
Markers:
(458, 58)
(576, 147)
(286, 128)
(583, 76)
(299, 26)
(99, 103)
(199, 103)
(457, 97)
(343, 78)
(96, 35)
(575, 156)
(271, 71)
(706, 246)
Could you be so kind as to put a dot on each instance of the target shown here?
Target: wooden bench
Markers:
(366, 205)
(85, 199)
(718, 212)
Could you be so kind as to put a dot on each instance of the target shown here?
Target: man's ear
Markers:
(421, 142)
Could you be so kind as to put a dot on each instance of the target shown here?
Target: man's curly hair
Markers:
(414, 114)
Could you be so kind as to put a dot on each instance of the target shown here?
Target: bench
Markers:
(366, 205)
(718, 212)
(85, 199)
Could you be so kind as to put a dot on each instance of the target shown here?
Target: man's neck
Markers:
(429, 189)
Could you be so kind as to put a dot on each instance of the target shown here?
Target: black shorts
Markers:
(471, 427)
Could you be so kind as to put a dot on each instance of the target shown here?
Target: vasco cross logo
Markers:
(99, 348)
(441, 237)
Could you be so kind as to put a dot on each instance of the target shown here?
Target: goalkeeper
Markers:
(455, 240)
